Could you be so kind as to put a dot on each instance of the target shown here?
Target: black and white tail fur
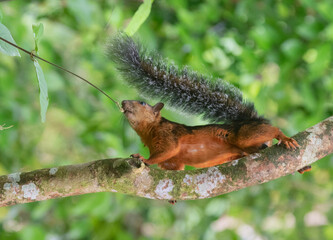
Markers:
(181, 87)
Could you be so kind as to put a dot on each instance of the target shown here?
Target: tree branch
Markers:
(130, 176)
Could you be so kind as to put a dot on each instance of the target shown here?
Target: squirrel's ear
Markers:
(158, 106)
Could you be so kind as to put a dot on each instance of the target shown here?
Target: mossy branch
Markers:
(130, 176)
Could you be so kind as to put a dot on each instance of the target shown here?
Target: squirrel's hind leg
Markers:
(251, 137)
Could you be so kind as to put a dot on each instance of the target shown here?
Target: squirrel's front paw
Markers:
(138, 155)
(290, 143)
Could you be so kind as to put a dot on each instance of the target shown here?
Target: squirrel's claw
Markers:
(138, 155)
(290, 143)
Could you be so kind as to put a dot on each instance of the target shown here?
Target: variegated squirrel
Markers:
(173, 145)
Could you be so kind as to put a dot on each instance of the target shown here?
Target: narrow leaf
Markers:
(43, 96)
(38, 32)
(5, 47)
(139, 17)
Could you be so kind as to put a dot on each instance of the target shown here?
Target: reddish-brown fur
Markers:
(173, 145)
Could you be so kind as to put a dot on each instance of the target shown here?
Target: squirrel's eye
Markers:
(143, 103)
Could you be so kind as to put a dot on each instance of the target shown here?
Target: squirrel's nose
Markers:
(123, 103)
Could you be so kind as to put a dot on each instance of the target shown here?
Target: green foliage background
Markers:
(279, 53)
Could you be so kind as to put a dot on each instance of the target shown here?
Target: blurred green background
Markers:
(279, 53)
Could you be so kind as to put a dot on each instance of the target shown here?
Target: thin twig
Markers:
(64, 69)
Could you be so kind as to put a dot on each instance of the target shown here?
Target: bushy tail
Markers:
(188, 90)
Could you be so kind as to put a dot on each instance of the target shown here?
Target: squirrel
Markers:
(173, 145)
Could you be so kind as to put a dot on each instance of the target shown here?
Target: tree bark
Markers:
(131, 176)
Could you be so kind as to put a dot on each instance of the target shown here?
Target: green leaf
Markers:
(38, 32)
(43, 96)
(321, 61)
(31, 232)
(139, 17)
(292, 48)
(83, 11)
(5, 47)
(309, 29)
(265, 36)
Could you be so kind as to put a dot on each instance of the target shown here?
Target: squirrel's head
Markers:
(140, 114)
